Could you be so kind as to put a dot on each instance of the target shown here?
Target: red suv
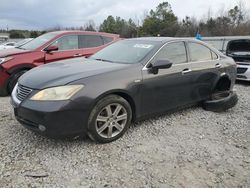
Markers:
(47, 48)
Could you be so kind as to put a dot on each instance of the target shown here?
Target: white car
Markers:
(8, 45)
(236, 47)
(239, 50)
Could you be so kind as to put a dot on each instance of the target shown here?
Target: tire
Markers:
(3, 92)
(221, 101)
(103, 122)
(13, 80)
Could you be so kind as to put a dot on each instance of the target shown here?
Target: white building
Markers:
(4, 37)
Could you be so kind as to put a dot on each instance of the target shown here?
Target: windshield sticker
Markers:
(143, 46)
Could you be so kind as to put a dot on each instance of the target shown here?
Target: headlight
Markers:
(57, 93)
(5, 59)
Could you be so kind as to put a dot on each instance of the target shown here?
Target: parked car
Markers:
(47, 48)
(239, 50)
(7, 45)
(237, 47)
(126, 81)
(22, 42)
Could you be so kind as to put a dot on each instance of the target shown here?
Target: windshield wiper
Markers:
(20, 48)
(99, 59)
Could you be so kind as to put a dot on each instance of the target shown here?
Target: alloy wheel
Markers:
(111, 120)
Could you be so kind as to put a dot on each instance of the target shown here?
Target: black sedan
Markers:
(127, 81)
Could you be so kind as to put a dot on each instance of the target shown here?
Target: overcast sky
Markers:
(44, 14)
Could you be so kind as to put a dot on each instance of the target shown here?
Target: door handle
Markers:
(185, 71)
(77, 55)
(218, 65)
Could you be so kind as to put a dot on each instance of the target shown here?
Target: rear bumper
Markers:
(243, 72)
(4, 76)
(52, 119)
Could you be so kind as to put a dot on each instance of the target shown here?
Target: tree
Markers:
(236, 15)
(15, 34)
(108, 25)
(34, 34)
(90, 26)
(188, 27)
(162, 21)
(126, 29)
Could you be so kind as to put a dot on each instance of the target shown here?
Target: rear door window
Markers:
(199, 52)
(90, 41)
(174, 52)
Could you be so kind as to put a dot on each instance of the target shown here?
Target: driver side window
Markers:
(69, 42)
(174, 52)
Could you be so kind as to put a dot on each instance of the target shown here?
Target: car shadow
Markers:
(244, 83)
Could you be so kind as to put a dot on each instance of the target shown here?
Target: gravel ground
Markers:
(189, 148)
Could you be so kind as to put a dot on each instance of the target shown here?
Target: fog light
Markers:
(42, 128)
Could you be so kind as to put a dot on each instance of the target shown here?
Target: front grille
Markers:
(22, 92)
(241, 70)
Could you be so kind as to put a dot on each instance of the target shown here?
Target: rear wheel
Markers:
(13, 80)
(109, 119)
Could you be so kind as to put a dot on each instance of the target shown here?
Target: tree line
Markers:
(162, 21)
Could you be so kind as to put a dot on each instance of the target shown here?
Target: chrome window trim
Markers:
(188, 62)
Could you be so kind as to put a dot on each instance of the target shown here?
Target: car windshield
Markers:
(22, 42)
(39, 41)
(125, 51)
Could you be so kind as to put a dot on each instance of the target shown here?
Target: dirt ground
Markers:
(189, 148)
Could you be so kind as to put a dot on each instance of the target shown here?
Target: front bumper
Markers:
(52, 119)
(243, 71)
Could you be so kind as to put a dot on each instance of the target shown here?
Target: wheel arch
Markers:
(13, 71)
(17, 68)
(223, 83)
(124, 94)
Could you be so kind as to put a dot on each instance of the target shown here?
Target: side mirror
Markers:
(160, 64)
(51, 49)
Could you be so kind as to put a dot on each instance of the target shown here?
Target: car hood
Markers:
(12, 51)
(66, 71)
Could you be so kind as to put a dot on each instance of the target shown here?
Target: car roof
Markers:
(225, 38)
(164, 39)
(83, 32)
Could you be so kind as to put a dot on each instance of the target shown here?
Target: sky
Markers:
(45, 14)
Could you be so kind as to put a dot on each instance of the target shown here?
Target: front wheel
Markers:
(13, 80)
(109, 119)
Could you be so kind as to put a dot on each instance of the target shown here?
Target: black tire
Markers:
(13, 80)
(98, 109)
(221, 101)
